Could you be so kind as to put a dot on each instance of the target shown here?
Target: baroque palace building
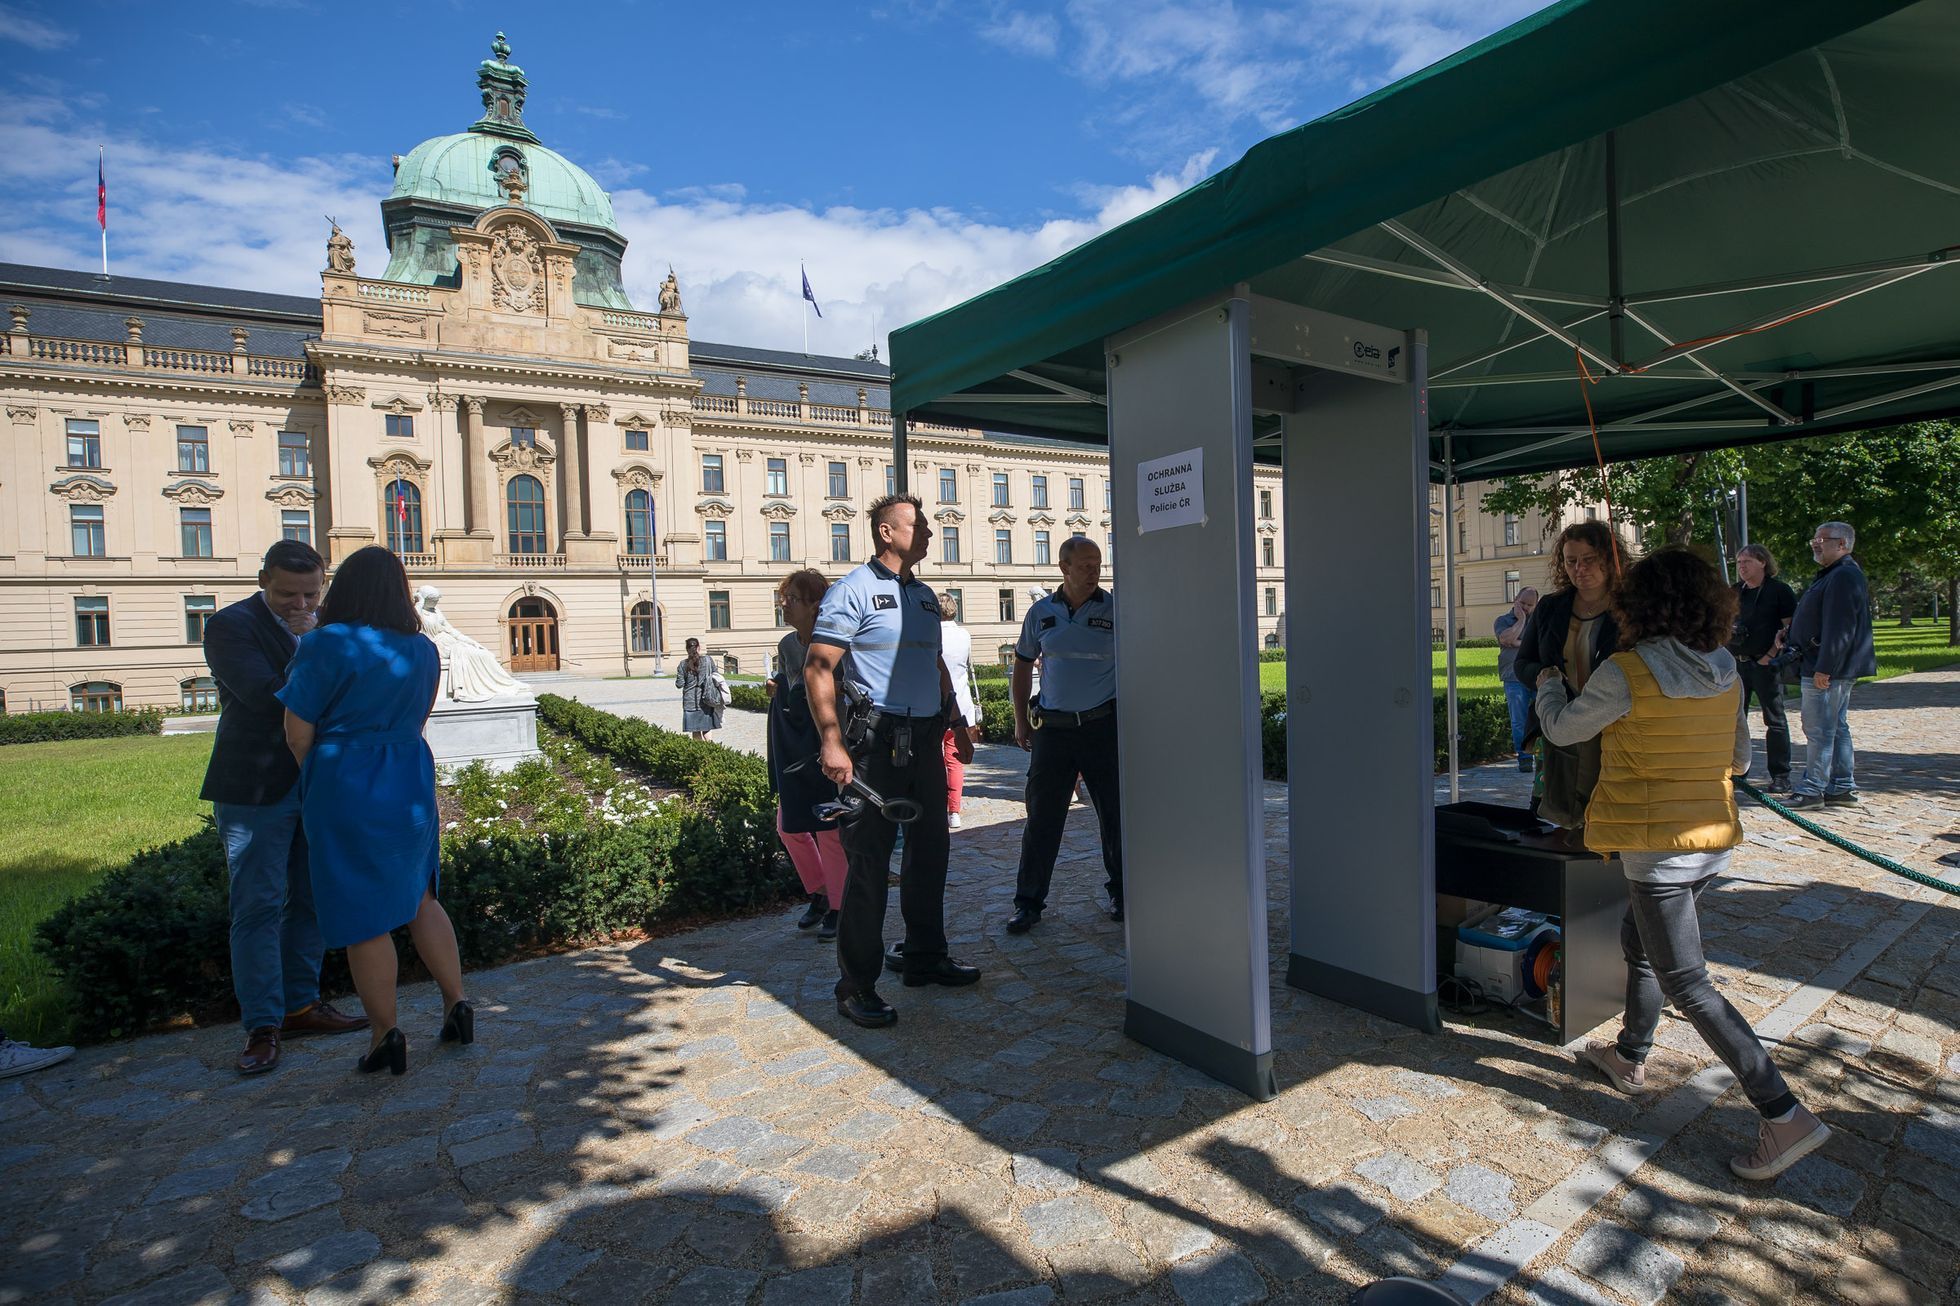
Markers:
(586, 484)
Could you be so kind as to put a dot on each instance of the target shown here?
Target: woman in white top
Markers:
(956, 651)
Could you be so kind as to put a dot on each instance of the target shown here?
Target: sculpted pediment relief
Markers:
(951, 516)
(1040, 519)
(839, 512)
(398, 405)
(522, 416)
(193, 492)
(292, 496)
(523, 457)
(1268, 528)
(83, 489)
(635, 420)
(714, 508)
(402, 326)
(778, 511)
(637, 477)
(1077, 520)
(1001, 517)
(399, 460)
(22, 414)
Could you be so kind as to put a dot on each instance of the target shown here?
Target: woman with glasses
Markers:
(1572, 631)
(815, 847)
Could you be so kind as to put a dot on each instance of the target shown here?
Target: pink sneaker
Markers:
(1780, 1146)
(1628, 1076)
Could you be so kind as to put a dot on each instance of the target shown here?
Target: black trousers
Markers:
(1060, 753)
(922, 871)
(1768, 690)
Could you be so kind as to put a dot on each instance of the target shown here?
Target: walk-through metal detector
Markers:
(1183, 392)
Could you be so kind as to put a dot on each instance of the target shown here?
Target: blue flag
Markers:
(808, 293)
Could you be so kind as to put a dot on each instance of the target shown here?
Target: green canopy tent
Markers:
(1741, 214)
(1709, 224)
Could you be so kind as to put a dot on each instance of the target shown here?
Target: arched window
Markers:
(524, 501)
(401, 516)
(199, 694)
(95, 696)
(639, 523)
(640, 627)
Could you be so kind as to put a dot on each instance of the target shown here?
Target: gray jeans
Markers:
(1661, 938)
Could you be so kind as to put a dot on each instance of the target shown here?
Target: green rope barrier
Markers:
(1839, 841)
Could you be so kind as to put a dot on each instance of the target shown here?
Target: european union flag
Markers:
(808, 293)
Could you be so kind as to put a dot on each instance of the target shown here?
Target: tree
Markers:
(1673, 500)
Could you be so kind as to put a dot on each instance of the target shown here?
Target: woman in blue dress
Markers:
(357, 695)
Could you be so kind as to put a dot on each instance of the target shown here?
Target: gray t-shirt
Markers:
(1507, 658)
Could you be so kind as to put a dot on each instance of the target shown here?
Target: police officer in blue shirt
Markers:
(879, 629)
(1071, 730)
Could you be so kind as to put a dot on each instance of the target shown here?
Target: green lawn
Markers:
(1900, 649)
(67, 811)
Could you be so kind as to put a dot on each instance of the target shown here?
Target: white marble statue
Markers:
(470, 672)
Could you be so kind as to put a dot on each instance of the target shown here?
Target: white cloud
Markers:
(1037, 35)
(204, 216)
(32, 32)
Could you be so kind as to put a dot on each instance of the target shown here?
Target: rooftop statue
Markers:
(340, 250)
(670, 294)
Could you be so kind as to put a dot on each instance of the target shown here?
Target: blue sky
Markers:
(911, 152)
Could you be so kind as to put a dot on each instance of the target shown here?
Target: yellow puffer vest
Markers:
(1664, 772)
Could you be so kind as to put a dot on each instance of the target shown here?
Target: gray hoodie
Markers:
(1681, 673)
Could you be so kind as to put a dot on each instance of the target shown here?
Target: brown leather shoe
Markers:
(261, 1051)
(321, 1018)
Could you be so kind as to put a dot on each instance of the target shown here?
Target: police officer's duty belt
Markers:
(1041, 718)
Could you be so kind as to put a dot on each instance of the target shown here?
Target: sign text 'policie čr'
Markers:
(1168, 494)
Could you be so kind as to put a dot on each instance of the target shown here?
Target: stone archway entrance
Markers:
(532, 637)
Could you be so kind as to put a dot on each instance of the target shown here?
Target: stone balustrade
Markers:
(418, 561)
(134, 354)
(530, 561)
(392, 292)
(740, 405)
(637, 562)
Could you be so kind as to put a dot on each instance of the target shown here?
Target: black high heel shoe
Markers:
(391, 1051)
(459, 1026)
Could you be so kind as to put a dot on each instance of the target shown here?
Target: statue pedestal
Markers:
(498, 732)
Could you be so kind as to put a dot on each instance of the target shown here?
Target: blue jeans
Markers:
(1827, 739)
(1518, 698)
(275, 940)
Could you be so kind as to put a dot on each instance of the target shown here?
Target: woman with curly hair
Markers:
(1669, 714)
(1571, 631)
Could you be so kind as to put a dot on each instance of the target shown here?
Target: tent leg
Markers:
(1449, 613)
(900, 478)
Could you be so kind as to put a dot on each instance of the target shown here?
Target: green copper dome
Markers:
(450, 180)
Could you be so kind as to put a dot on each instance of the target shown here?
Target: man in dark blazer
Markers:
(253, 785)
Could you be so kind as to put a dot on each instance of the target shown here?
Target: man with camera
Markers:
(1071, 729)
(878, 630)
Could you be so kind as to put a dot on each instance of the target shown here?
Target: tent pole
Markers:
(1742, 512)
(1449, 609)
(1616, 304)
(900, 481)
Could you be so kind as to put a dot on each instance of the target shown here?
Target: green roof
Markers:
(1771, 155)
(460, 170)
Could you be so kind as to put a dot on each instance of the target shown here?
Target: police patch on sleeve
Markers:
(1047, 623)
(884, 601)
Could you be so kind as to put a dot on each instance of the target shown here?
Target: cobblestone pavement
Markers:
(687, 1120)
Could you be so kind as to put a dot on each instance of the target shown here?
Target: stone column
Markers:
(571, 474)
(479, 485)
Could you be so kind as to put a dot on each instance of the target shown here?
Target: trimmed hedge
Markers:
(1483, 731)
(748, 698)
(43, 727)
(150, 940)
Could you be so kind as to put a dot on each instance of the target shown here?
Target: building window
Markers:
(1463, 535)
(781, 620)
(95, 696)
(1266, 551)
(84, 443)
(295, 455)
(1462, 591)
(1266, 505)
(199, 694)
(891, 479)
(949, 485)
(1592, 513)
(959, 603)
(194, 527)
(193, 449)
(1435, 594)
(1041, 546)
(91, 623)
(1003, 546)
(636, 441)
(949, 544)
(1038, 496)
(1109, 495)
(778, 477)
(779, 541)
(840, 541)
(1272, 601)
(1512, 584)
(1007, 605)
(401, 426)
(521, 437)
(717, 542)
(198, 609)
(1006, 654)
(296, 524)
(711, 480)
(523, 514)
(1510, 528)
(836, 484)
(639, 627)
(401, 515)
(1075, 499)
(718, 610)
(639, 523)
(730, 665)
(1435, 544)
(1000, 490)
(85, 530)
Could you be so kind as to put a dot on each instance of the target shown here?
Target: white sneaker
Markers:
(20, 1059)
(952, 820)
